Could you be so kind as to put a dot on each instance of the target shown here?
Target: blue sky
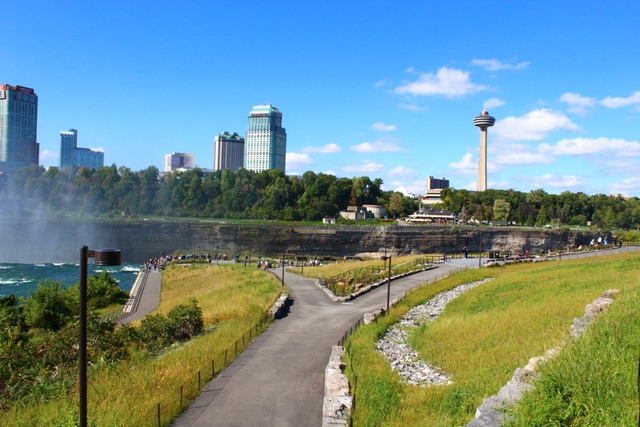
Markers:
(384, 89)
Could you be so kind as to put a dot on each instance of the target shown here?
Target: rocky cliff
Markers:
(59, 241)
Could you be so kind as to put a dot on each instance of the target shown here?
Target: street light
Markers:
(282, 278)
(480, 255)
(104, 257)
(217, 255)
(388, 282)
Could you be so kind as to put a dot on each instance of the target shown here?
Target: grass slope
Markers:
(127, 394)
(481, 337)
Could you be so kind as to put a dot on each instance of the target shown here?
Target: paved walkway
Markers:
(279, 379)
(147, 298)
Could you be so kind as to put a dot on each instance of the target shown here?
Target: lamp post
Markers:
(303, 261)
(282, 278)
(480, 255)
(217, 255)
(388, 282)
(104, 257)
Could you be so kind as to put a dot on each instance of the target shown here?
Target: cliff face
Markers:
(59, 241)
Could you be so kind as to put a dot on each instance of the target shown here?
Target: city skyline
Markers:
(380, 90)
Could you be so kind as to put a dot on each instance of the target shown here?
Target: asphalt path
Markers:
(279, 379)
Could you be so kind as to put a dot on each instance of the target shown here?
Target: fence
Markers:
(175, 401)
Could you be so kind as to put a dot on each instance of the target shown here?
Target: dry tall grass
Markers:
(126, 394)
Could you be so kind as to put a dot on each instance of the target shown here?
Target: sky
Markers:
(383, 89)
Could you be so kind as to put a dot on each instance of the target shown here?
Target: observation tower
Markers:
(483, 121)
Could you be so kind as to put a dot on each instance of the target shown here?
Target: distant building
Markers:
(18, 128)
(363, 212)
(266, 144)
(71, 155)
(228, 151)
(429, 215)
(434, 187)
(176, 161)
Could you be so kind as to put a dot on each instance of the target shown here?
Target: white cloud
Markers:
(402, 172)
(382, 127)
(46, 154)
(381, 83)
(578, 104)
(494, 102)
(533, 126)
(555, 181)
(448, 82)
(495, 65)
(367, 166)
(298, 161)
(327, 149)
(331, 172)
(624, 186)
(522, 159)
(617, 102)
(386, 144)
(578, 146)
(412, 107)
(466, 166)
(101, 149)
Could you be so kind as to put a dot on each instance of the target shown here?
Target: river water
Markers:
(20, 279)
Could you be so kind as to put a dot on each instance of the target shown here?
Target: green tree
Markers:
(542, 218)
(396, 204)
(48, 307)
(501, 210)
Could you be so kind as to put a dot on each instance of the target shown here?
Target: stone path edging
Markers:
(321, 285)
(489, 413)
(337, 403)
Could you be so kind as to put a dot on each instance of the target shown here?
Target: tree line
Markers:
(243, 194)
(540, 208)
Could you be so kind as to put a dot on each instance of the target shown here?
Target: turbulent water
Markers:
(19, 279)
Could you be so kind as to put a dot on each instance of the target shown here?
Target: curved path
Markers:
(279, 379)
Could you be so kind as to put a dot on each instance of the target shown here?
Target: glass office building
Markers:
(265, 146)
(18, 127)
(71, 155)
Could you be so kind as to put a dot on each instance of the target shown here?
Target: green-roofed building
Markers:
(266, 144)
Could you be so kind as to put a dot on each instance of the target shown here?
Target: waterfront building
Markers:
(228, 151)
(363, 212)
(18, 128)
(71, 155)
(175, 161)
(428, 215)
(483, 121)
(434, 187)
(265, 146)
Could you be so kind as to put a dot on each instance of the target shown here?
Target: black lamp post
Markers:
(480, 256)
(303, 261)
(217, 255)
(282, 278)
(388, 282)
(250, 249)
(102, 257)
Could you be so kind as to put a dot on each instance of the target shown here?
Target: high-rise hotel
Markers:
(228, 151)
(18, 127)
(266, 144)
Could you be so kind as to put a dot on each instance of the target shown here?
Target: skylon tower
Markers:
(483, 121)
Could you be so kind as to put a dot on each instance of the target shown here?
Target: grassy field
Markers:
(127, 394)
(333, 269)
(485, 334)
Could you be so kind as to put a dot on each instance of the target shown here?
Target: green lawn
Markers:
(484, 335)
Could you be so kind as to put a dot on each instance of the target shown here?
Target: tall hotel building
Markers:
(18, 127)
(228, 151)
(71, 155)
(266, 143)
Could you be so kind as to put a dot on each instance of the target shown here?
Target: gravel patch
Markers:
(394, 344)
